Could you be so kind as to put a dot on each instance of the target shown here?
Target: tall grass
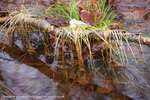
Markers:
(74, 11)
(108, 16)
(78, 32)
(66, 11)
(59, 10)
(71, 11)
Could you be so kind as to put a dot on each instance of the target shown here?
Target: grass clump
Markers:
(66, 11)
(78, 31)
(103, 20)
(108, 16)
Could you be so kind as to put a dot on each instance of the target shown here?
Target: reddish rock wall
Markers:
(14, 4)
(135, 13)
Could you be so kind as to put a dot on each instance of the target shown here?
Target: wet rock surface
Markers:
(24, 80)
(81, 94)
(137, 84)
(135, 14)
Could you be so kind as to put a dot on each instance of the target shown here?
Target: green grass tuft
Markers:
(108, 16)
(63, 10)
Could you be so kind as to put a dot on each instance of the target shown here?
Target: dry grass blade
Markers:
(23, 23)
(78, 32)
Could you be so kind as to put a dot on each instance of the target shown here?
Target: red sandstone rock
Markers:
(89, 17)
